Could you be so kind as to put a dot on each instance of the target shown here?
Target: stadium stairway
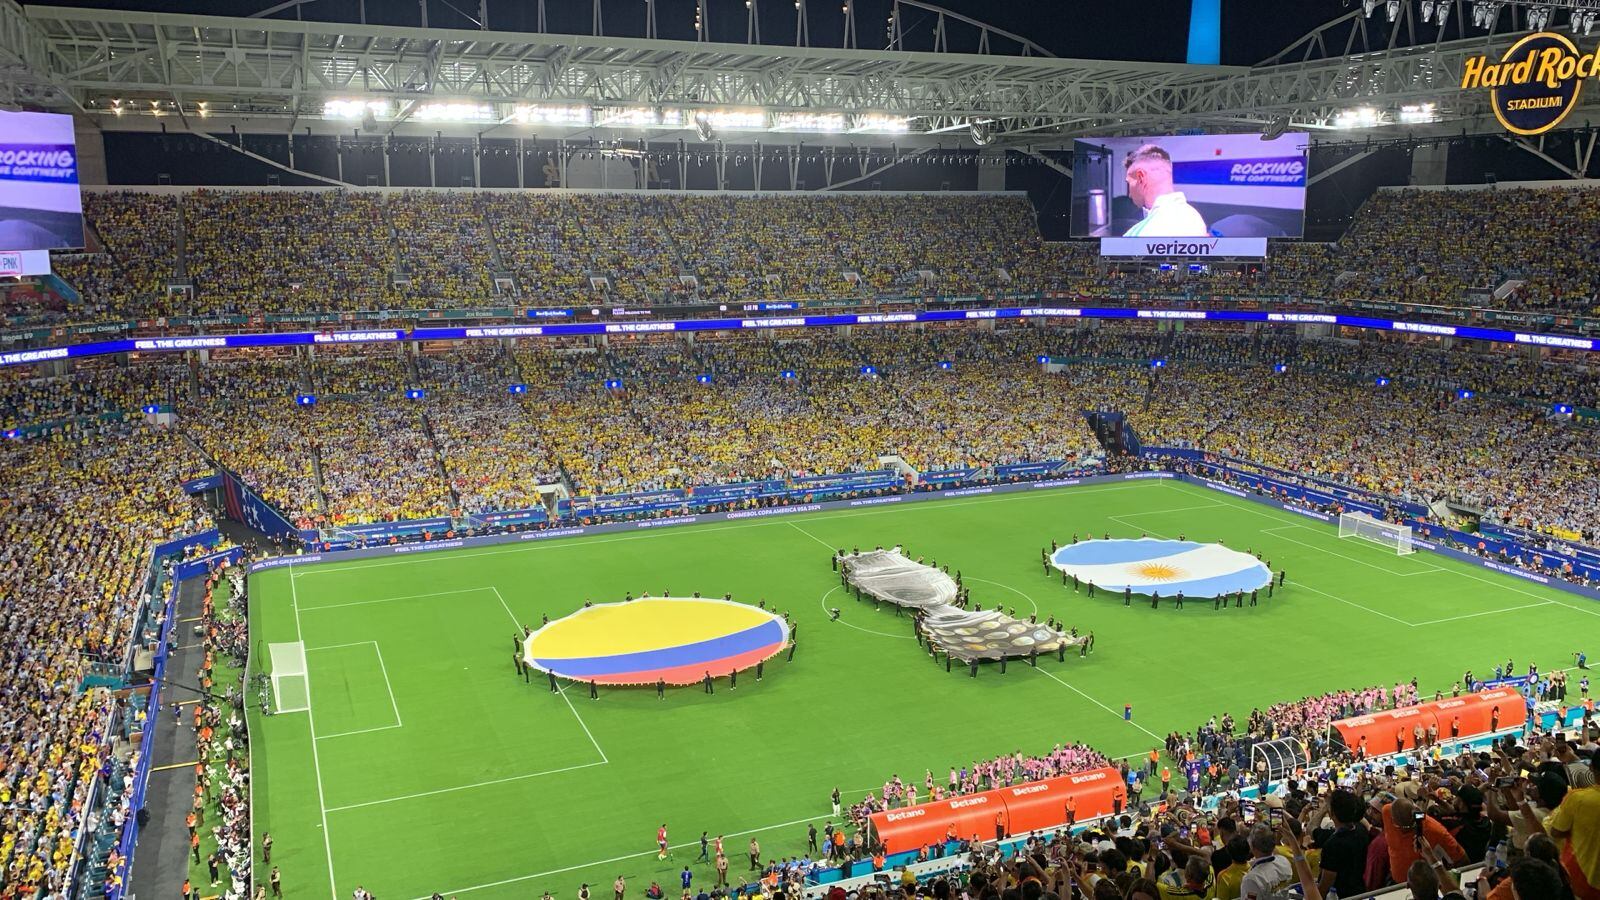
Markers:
(316, 471)
(496, 263)
(162, 859)
(180, 246)
(438, 461)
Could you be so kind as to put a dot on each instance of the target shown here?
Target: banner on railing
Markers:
(241, 504)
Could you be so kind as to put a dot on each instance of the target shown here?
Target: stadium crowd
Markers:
(363, 452)
(81, 513)
(90, 494)
(1344, 826)
(294, 251)
(1305, 720)
(982, 775)
(744, 408)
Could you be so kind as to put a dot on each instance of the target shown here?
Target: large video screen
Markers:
(1189, 186)
(40, 207)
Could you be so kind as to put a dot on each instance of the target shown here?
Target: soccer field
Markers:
(425, 764)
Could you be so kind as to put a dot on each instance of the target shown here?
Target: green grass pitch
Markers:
(425, 764)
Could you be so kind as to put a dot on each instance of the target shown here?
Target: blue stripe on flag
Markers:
(697, 653)
(1099, 553)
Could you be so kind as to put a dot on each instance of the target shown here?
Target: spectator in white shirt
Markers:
(1268, 872)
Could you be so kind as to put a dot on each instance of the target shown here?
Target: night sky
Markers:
(1154, 30)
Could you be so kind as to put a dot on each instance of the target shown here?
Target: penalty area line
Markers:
(463, 787)
(581, 723)
(1489, 612)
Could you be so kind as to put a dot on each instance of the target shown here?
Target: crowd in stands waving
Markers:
(81, 514)
(294, 251)
(747, 407)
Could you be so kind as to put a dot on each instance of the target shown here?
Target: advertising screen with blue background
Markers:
(40, 206)
(1189, 186)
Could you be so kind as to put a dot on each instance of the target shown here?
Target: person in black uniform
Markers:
(1127, 596)
(1253, 594)
(707, 682)
(1281, 576)
(1091, 589)
(759, 665)
(553, 688)
(1216, 602)
(594, 692)
(661, 689)
(1155, 599)
(1180, 599)
(1238, 600)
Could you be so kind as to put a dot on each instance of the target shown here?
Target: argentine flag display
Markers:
(1148, 565)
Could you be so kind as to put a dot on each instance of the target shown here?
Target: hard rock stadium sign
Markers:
(1535, 85)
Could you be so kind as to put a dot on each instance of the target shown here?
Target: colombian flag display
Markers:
(673, 639)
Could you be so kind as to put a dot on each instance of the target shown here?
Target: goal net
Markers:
(291, 690)
(1360, 525)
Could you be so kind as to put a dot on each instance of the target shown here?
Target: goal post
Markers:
(291, 687)
(1363, 526)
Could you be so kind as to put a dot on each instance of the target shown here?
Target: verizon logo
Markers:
(1179, 248)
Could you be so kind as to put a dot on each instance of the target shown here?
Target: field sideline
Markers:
(426, 764)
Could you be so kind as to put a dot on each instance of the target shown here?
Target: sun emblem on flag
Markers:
(1156, 571)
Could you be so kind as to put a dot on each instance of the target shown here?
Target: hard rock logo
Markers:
(1535, 85)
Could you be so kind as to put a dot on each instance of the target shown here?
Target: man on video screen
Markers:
(1167, 212)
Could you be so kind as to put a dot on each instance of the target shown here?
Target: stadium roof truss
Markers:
(134, 68)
